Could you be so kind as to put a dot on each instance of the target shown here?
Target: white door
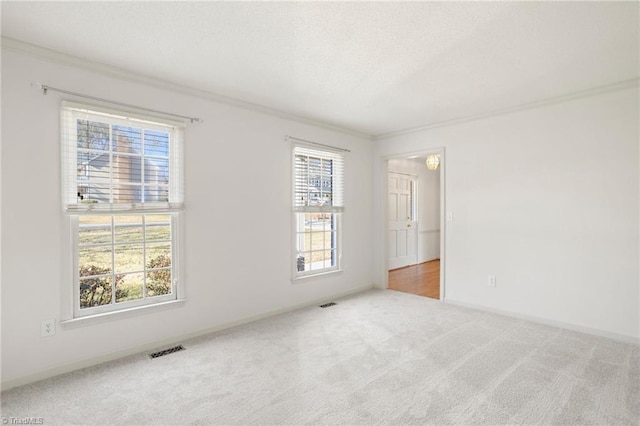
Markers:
(403, 229)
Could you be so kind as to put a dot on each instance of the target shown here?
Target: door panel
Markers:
(393, 243)
(393, 211)
(402, 242)
(403, 228)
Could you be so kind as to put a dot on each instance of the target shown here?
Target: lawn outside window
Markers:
(318, 207)
(122, 193)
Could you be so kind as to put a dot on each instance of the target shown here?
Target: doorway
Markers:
(415, 237)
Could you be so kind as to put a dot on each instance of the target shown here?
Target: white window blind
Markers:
(318, 180)
(118, 163)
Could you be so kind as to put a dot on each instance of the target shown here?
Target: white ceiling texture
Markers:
(371, 67)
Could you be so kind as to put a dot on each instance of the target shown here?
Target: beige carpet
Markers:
(380, 357)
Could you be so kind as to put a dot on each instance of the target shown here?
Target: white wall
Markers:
(237, 254)
(547, 200)
(428, 201)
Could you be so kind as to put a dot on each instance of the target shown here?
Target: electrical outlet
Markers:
(48, 328)
(491, 281)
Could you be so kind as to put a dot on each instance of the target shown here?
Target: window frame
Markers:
(336, 212)
(173, 207)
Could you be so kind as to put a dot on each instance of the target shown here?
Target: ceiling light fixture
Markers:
(433, 161)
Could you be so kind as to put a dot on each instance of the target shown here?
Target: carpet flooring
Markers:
(377, 358)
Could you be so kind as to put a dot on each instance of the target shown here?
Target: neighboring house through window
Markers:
(122, 189)
(318, 204)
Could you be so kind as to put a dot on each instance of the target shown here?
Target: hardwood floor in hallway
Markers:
(422, 279)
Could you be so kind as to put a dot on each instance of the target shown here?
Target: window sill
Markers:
(123, 313)
(318, 275)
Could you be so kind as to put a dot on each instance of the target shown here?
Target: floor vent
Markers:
(326, 305)
(166, 351)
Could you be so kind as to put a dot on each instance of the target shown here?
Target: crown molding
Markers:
(613, 87)
(123, 74)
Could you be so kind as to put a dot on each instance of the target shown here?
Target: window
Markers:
(122, 192)
(318, 206)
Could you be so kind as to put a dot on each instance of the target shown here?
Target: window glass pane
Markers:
(114, 172)
(92, 135)
(318, 181)
(94, 260)
(156, 170)
(159, 269)
(127, 164)
(128, 229)
(123, 193)
(158, 227)
(305, 242)
(316, 236)
(158, 282)
(94, 176)
(314, 166)
(129, 287)
(93, 166)
(158, 255)
(301, 262)
(325, 182)
(156, 178)
(313, 258)
(94, 230)
(128, 258)
(142, 250)
(332, 241)
(311, 181)
(127, 168)
(89, 193)
(154, 193)
(95, 291)
(317, 240)
(127, 139)
(156, 143)
(326, 258)
(301, 196)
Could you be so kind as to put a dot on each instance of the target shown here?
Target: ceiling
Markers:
(371, 67)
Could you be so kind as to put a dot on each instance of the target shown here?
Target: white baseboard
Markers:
(545, 321)
(89, 362)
